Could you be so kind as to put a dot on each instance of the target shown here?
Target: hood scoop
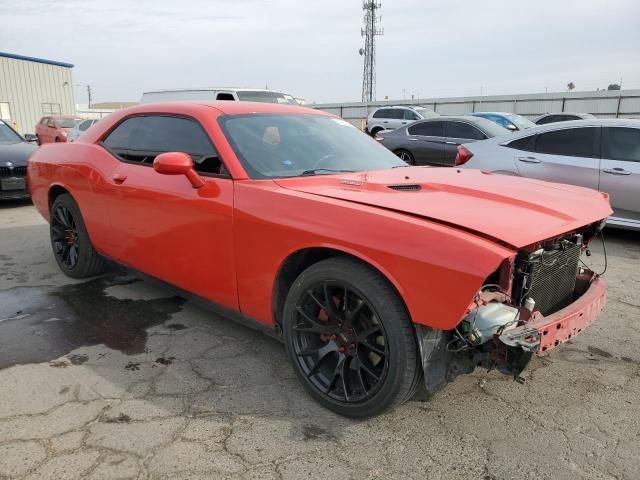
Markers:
(406, 187)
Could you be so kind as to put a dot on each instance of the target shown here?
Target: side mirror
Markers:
(512, 127)
(177, 163)
(30, 137)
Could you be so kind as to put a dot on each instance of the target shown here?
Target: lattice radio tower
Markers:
(370, 32)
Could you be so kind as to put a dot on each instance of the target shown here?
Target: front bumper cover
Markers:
(542, 334)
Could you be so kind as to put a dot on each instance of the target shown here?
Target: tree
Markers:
(570, 86)
(613, 86)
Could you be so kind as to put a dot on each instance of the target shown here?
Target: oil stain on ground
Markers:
(39, 324)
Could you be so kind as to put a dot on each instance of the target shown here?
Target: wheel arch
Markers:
(303, 258)
(54, 192)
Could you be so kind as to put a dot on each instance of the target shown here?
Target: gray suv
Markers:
(390, 118)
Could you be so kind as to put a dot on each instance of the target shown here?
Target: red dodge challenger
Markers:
(373, 273)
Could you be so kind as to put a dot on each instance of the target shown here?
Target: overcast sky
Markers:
(310, 48)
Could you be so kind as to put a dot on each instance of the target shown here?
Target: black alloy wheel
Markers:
(339, 342)
(350, 339)
(70, 241)
(64, 237)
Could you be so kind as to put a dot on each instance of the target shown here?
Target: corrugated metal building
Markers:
(33, 87)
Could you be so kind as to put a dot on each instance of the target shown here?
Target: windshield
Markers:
(521, 122)
(285, 145)
(7, 135)
(266, 97)
(67, 122)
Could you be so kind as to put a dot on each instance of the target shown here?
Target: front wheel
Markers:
(350, 339)
(70, 241)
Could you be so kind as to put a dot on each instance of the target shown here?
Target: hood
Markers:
(512, 210)
(16, 153)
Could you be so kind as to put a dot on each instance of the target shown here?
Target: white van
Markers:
(213, 93)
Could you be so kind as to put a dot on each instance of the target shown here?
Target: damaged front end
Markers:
(536, 300)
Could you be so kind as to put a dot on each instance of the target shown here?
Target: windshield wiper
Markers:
(315, 171)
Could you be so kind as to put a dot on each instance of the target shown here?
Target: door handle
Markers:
(119, 178)
(616, 171)
(529, 160)
(404, 123)
(452, 143)
(385, 121)
(413, 139)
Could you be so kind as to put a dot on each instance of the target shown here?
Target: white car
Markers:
(390, 118)
(80, 127)
(602, 154)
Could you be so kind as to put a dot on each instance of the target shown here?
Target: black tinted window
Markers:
(84, 125)
(623, 144)
(396, 113)
(141, 139)
(575, 142)
(427, 129)
(410, 115)
(382, 113)
(527, 143)
(464, 130)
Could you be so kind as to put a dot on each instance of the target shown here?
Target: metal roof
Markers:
(35, 59)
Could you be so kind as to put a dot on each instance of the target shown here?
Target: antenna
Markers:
(370, 32)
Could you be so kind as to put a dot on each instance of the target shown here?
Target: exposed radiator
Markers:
(549, 277)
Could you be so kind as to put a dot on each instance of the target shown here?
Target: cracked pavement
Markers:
(116, 379)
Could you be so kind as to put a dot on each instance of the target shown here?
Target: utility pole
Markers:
(370, 31)
(89, 94)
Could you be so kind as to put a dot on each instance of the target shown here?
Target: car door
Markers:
(395, 118)
(620, 170)
(457, 133)
(425, 141)
(566, 155)
(164, 226)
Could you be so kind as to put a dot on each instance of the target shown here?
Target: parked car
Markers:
(14, 152)
(435, 141)
(510, 121)
(603, 154)
(55, 128)
(80, 127)
(220, 93)
(308, 229)
(561, 117)
(390, 118)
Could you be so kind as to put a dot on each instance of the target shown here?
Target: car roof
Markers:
(494, 113)
(226, 107)
(549, 127)
(214, 89)
(463, 118)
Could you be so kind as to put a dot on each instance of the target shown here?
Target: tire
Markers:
(70, 241)
(375, 131)
(358, 358)
(57, 140)
(38, 141)
(405, 156)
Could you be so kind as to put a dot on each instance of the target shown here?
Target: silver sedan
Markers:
(603, 154)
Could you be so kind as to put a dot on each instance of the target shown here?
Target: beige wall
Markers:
(26, 86)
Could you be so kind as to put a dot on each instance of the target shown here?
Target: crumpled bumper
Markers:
(542, 334)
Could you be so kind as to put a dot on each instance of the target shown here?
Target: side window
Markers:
(464, 130)
(427, 129)
(395, 113)
(381, 113)
(225, 96)
(527, 144)
(623, 144)
(565, 118)
(574, 142)
(410, 115)
(142, 138)
(85, 125)
(44, 120)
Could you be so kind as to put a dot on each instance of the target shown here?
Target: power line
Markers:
(370, 32)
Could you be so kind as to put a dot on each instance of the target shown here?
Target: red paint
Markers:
(52, 132)
(227, 240)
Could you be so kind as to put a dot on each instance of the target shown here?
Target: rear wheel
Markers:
(71, 245)
(375, 131)
(350, 339)
(405, 156)
(38, 141)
